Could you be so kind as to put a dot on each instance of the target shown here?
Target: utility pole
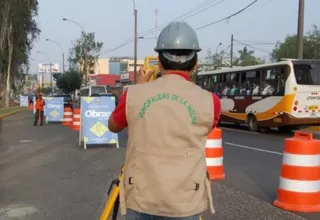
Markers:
(135, 44)
(231, 51)
(300, 30)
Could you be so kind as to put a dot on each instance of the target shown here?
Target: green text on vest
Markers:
(172, 97)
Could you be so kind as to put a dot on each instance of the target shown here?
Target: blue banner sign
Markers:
(24, 101)
(54, 109)
(95, 113)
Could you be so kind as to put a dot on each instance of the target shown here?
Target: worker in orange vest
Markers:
(40, 103)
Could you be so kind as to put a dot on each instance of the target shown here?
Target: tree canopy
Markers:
(18, 31)
(69, 81)
(85, 53)
(288, 48)
(246, 58)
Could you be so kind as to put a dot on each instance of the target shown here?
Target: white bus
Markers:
(285, 94)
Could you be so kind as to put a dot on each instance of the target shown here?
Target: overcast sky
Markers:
(260, 26)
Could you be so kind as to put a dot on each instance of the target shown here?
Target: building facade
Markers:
(130, 66)
(116, 65)
(102, 66)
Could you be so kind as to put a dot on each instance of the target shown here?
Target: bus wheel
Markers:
(253, 123)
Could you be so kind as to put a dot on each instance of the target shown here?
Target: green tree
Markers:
(18, 30)
(85, 53)
(246, 58)
(288, 48)
(69, 81)
(55, 76)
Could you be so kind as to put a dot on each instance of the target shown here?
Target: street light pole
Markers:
(61, 52)
(300, 30)
(85, 49)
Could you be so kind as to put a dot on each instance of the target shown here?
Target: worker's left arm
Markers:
(118, 119)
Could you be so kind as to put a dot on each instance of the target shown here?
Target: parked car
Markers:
(67, 99)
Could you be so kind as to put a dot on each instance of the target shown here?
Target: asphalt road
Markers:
(44, 175)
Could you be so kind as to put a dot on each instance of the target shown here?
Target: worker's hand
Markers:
(143, 76)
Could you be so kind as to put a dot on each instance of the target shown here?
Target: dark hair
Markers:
(171, 65)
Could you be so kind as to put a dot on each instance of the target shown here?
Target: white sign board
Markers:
(125, 76)
(45, 68)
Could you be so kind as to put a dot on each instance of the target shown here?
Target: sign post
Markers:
(95, 113)
(54, 108)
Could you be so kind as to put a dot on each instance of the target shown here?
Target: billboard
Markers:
(45, 68)
(44, 74)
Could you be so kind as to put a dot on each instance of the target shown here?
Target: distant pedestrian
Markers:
(40, 103)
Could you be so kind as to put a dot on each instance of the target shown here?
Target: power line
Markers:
(204, 26)
(222, 51)
(203, 10)
(258, 42)
(248, 45)
(202, 7)
(199, 7)
(146, 33)
(228, 17)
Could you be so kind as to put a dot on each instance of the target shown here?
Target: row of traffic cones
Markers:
(71, 118)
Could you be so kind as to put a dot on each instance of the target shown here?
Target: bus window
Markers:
(215, 84)
(251, 83)
(234, 84)
(307, 74)
(273, 80)
(224, 85)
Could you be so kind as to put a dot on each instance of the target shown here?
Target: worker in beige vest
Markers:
(168, 121)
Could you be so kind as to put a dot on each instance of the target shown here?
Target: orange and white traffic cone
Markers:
(67, 116)
(76, 119)
(214, 155)
(299, 187)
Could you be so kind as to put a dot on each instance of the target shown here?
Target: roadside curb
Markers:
(9, 113)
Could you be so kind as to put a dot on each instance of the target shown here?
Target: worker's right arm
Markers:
(216, 109)
(118, 119)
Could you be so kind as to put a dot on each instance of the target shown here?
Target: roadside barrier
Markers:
(214, 155)
(95, 113)
(76, 119)
(67, 116)
(299, 187)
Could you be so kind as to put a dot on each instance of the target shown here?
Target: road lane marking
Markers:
(239, 130)
(25, 141)
(252, 148)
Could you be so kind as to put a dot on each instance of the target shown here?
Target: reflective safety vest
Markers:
(165, 167)
(40, 104)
